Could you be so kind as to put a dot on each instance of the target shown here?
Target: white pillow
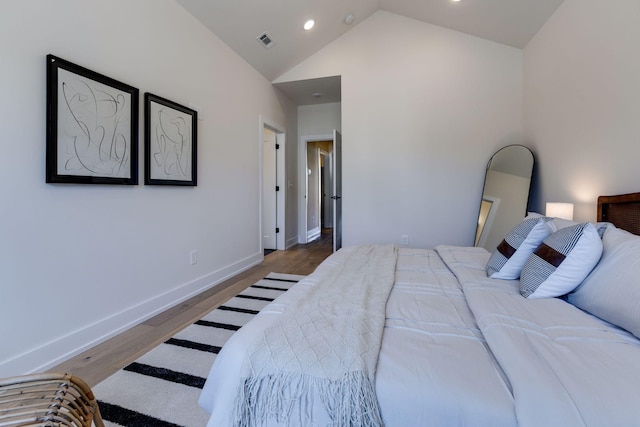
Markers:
(612, 290)
(561, 262)
(511, 254)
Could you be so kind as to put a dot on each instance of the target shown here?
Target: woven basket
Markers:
(50, 400)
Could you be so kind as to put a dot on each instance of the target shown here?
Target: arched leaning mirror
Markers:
(504, 195)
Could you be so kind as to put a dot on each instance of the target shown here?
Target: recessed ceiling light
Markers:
(456, 1)
(309, 24)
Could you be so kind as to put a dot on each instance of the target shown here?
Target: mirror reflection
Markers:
(504, 195)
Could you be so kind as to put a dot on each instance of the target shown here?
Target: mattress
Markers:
(459, 348)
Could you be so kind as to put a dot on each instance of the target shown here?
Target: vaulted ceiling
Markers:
(239, 23)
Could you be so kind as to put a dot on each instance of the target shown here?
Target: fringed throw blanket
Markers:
(324, 347)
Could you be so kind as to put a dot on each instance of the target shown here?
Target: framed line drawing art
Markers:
(92, 127)
(170, 142)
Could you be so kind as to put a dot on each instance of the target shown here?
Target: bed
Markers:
(462, 342)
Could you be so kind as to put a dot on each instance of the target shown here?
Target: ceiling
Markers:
(238, 23)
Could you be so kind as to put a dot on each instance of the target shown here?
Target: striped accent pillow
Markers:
(561, 262)
(512, 253)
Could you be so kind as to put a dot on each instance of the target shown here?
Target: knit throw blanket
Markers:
(323, 347)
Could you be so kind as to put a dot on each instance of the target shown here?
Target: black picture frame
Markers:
(92, 126)
(170, 142)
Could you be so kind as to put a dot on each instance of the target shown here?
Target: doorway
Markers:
(319, 171)
(326, 203)
(320, 211)
(272, 190)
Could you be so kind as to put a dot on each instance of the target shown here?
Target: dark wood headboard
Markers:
(623, 211)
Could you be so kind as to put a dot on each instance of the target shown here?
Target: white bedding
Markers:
(310, 352)
(460, 348)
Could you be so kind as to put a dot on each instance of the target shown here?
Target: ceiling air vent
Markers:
(266, 40)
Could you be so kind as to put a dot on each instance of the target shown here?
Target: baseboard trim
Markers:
(313, 234)
(57, 351)
(291, 242)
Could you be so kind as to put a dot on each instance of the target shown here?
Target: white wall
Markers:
(423, 109)
(319, 119)
(80, 262)
(582, 103)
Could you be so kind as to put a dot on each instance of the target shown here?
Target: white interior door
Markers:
(337, 190)
(269, 182)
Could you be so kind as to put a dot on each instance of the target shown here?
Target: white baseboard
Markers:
(291, 242)
(57, 351)
(313, 234)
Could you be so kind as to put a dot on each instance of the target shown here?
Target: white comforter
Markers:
(462, 349)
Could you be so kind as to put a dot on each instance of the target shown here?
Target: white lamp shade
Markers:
(560, 210)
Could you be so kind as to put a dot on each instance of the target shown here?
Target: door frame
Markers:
(326, 205)
(303, 179)
(337, 189)
(280, 132)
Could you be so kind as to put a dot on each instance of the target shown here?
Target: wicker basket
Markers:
(50, 400)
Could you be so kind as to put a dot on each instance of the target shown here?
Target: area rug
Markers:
(162, 387)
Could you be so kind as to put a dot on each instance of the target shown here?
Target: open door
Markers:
(337, 190)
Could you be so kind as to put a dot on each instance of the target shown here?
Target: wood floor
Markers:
(103, 360)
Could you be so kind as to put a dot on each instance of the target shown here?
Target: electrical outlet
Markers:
(404, 240)
(193, 257)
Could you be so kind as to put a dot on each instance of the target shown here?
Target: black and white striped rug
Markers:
(162, 387)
